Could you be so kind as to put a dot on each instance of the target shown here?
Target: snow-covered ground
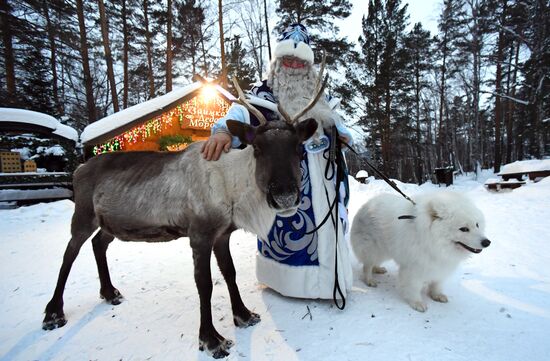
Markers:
(499, 300)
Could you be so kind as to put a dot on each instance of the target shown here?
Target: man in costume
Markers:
(305, 255)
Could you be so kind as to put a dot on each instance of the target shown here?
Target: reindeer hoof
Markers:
(113, 297)
(251, 321)
(53, 321)
(219, 351)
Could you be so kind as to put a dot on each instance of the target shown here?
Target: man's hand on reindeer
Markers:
(213, 147)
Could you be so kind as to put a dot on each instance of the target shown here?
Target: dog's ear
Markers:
(434, 211)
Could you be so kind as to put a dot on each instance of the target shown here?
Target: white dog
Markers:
(427, 241)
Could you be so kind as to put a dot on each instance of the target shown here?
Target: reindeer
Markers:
(162, 196)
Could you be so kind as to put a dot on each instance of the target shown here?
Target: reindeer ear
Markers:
(246, 133)
(306, 128)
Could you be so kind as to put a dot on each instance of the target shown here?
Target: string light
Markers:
(199, 112)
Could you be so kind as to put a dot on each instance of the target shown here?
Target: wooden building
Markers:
(185, 114)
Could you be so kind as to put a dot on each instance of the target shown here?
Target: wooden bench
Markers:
(496, 185)
(17, 189)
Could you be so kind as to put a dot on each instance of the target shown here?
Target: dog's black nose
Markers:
(485, 242)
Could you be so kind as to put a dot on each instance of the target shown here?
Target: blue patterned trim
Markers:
(296, 32)
(287, 241)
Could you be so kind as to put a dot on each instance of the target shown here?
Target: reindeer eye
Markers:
(477, 225)
(464, 229)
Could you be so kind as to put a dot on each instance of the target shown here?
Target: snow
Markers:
(7, 195)
(56, 150)
(362, 174)
(525, 166)
(39, 172)
(24, 153)
(128, 115)
(499, 300)
(36, 118)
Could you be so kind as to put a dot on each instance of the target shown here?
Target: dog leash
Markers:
(381, 174)
(335, 158)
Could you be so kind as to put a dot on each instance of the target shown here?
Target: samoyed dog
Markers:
(427, 240)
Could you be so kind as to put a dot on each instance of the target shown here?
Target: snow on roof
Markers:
(31, 117)
(362, 174)
(128, 115)
(66, 132)
(525, 166)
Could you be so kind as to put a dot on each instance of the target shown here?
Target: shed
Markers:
(189, 111)
(21, 120)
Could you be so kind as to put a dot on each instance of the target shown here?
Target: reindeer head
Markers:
(278, 152)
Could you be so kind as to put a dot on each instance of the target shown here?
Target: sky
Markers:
(498, 309)
(425, 11)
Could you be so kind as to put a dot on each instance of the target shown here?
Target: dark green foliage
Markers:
(318, 16)
(175, 139)
(238, 65)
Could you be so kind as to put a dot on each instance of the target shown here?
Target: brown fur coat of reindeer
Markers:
(162, 196)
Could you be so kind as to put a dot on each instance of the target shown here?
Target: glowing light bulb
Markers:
(208, 92)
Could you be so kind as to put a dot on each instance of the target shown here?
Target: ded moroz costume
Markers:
(302, 257)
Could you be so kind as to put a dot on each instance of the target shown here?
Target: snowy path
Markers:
(499, 305)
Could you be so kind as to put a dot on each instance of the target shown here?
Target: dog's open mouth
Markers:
(473, 250)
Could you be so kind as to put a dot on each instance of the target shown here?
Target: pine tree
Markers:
(451, 29)
(189, 37)
(238, 65)
(418, 45)
(318, 16)
(108, 57)
(88, 81)
(8, 52)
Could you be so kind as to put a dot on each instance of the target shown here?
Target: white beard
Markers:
(294, 89)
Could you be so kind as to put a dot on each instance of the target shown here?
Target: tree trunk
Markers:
(441, 133)
(205, 65)
(148, 49)
(90, 103)
(267, 31)
(53, 57)
(498, 108)
(9, 58)
(169, 48)
(511, 105)
(125, 51)
(418, 164)
(223, 80)
(108, 57)
(386, 145)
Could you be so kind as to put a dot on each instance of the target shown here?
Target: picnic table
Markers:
(535, 170)
(516, 174)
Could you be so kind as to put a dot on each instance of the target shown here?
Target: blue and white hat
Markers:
(294, 41)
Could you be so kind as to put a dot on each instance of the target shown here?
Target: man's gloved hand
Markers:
(212, 148)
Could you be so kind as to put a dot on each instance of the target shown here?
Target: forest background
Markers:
(473, 94)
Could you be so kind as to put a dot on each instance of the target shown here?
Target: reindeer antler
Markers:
(242, 100)
(314, 100)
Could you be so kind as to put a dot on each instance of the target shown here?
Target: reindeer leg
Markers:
(107, 291)
(209, 339)
(242, 317)
(83, 225)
